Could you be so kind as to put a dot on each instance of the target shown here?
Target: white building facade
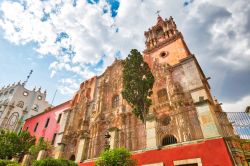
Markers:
(18, 103)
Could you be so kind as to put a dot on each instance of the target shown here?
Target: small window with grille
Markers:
(162, 95)
(168, 140)
(115, 101)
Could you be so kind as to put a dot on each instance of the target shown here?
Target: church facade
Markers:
(182, 121)
(17, 104)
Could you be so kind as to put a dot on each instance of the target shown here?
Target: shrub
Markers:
(53, 162)
(7, 163)
(13, 164)
(116, 157)
(41, 145)
(12, 143)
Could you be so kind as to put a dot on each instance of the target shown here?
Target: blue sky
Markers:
(68, 41)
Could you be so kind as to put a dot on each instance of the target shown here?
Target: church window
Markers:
(47, 123)
(201, 98)
(13, 119)
(35, 107)
(5, 93)
(169, 139)
(115, 101)
(166, 120)
(54, 138)
(25, 93)
(20, 104)
(1, 94)
(36, 127)
(163, 54)
(159, 32)
(162, 95)
(11, 91)
(59, 118)
(39, 97)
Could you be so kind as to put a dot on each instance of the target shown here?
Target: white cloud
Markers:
(237, 106)
(92, 34)
(68, 86)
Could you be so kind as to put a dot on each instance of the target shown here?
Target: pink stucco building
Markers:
(49, 124)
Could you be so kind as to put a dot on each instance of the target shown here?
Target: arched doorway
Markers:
(169, 139)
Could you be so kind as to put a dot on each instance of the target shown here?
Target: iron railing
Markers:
(238, 122)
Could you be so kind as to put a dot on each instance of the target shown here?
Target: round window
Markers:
(166, 120)
(25, 93)
(163, 54)
(39, 97)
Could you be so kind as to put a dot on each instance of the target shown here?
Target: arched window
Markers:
(169, 139)
(1, 112)
(11, 91)
(159, 32)
(5, 93)
(162, 95)
(13, 119)
(20, 104)
(115, 101)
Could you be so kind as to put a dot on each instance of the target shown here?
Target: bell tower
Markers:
(165, 43)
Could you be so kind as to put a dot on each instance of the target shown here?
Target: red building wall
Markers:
(53, 126)
(212, 153)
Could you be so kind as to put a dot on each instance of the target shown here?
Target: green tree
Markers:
(138, 82)
(115, 157)
(12, 143)
(41, 145)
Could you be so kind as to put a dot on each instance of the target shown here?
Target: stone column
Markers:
(151, 137)
(82, 148)
(59, 150)
(41, 155)
(113, 138)
(26, 160)
(207, 119)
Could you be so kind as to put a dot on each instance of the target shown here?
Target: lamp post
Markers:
(107, 137)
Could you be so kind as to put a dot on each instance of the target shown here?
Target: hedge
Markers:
(53, 162)
(8, 163)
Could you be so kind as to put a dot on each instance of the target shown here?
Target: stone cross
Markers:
(158, 12)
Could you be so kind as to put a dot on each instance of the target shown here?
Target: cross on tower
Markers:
(31, 71)
(158, 12)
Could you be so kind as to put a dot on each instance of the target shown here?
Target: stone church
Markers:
(183, 108)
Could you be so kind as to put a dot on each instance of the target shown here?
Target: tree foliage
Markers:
(138, 82)
(12, 143)
(115, 157)
(41, 145)
(8, 163)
